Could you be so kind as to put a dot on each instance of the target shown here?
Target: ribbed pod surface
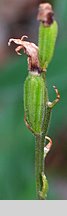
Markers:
(46, 44)
(34, 101)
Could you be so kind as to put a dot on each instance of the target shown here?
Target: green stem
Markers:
(41, 183)
(39, 163)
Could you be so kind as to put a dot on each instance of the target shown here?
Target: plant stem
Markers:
(39, 163)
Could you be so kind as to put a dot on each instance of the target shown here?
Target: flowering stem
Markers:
(37, 107)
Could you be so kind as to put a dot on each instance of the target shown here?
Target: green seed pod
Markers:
(46, 44)
(35, 101)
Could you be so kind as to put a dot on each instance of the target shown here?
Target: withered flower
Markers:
(45, 14)
(30, 49)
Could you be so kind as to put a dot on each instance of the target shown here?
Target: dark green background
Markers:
(17, 145)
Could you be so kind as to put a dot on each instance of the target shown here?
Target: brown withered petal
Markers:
(30, 49)
(45, 14)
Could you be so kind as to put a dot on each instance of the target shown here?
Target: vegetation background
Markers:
(17, 145)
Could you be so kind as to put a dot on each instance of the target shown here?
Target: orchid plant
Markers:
(37, 107)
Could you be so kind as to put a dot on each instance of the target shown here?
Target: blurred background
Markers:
(17, 145)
